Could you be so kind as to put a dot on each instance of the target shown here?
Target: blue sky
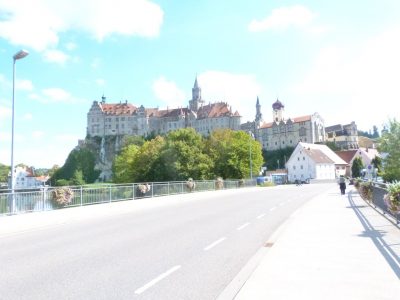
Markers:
(338, 58)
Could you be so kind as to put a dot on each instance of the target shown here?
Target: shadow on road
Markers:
(377, 236)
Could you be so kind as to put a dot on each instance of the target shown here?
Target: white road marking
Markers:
(212, 245)
(243, 226)
(157, 279)
(261, 216)
(272, 208)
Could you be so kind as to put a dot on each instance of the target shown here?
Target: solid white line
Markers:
(243, 226)
(157, 279)
(214, 244)
(272, 208)
(261, 216)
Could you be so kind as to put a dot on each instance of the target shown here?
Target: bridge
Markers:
(283, 242)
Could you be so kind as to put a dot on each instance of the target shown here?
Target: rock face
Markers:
(105, 149)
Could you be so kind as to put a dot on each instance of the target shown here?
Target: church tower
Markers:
(196, 97)
(277, 111)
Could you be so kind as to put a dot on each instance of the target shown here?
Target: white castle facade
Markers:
(282, 133)
(108, 119)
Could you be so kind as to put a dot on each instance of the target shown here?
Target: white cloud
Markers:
(168, 92)
(5, 112)
(357, 82)
(56, 56)
(56, 95)
(71, 46)
(100, 82)
(39, 25)
(282, 18)
(96, 63)
(24, 84)
(37, 134)
(238, 90)
(27, 117)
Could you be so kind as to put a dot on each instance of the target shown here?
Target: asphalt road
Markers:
(181, 247)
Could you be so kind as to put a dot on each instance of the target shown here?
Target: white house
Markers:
(314, 161)
(24, 178)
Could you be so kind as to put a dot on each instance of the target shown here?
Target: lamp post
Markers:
(19, 55)
(251, 163)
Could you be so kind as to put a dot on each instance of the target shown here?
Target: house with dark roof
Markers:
(314, 161)
(114, 119)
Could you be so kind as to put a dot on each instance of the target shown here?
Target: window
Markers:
(301, 167)
(298, 158)
(294, 167)
(304, 158)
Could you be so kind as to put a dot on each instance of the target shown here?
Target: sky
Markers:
(339, 58)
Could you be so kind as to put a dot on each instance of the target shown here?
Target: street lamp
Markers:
(19, 55)
(251, 163)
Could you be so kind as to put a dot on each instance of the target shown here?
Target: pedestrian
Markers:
(342, 184)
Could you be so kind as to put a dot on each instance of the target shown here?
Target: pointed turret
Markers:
(196, 97)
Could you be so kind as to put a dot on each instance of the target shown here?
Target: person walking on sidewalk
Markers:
(342, 184)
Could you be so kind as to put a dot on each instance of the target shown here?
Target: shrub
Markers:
(392, 198)
(190, 184)
(219, 183)
(62, 196)
(365, 190)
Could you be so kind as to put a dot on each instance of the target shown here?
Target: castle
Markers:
(114, 119)
(282, 133)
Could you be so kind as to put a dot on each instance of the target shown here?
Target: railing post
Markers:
(182, 187)
(168, 188)
(152, 189)
(81, 192)
(133, 191)
(109, 187)
(43, 200)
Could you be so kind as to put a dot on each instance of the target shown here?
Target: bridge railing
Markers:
(22, 201)
(378, 192)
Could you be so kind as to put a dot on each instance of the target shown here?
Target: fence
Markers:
(378, 192)
(43, 199)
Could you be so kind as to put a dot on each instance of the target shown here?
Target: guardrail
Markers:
(42, 199)
(378, 192)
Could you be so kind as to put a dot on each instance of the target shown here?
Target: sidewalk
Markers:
(334, 247)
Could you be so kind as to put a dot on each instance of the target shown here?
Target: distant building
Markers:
(108, 119)
(366, 155)
(24, 178)
(344, 136)
(282, 132)
(314, 161)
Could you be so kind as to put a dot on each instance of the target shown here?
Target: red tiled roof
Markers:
(118, 109)
(302, 119)
(214, 110)
(266, 125)
(346, 155)
(318, 156)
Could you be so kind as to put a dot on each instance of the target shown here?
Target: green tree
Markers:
(77, 178)
(145, 163)
(79, 159)
(389, 143)
(276, 159)
(4, 170)
(230, 152)
(123, 168)
(377, 163)
(183, 157)
(357, 167)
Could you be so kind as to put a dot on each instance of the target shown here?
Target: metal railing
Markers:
(43, 198)
(378, 192)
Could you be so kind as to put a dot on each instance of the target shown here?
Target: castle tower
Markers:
(277, 111)
(259, 117)
(196, 97)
